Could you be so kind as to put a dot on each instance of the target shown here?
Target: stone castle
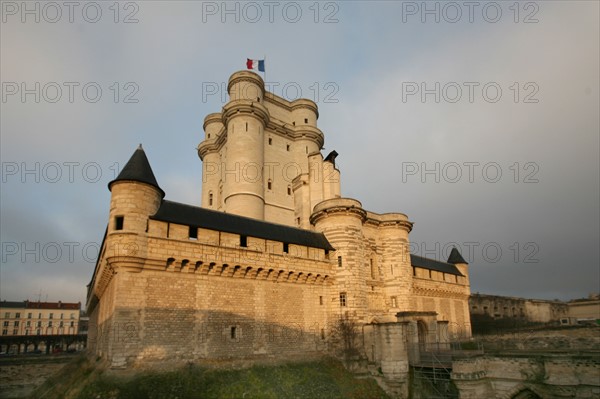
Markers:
(271, 261)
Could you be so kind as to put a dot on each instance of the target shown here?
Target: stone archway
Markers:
(422, 332)
(526, 394)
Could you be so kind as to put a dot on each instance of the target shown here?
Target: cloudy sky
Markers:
(479, 122)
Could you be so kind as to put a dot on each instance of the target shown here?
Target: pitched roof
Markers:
(138, 169)
(175, 212)
(432, 264)
(39, 305)
(455, 257)
(12, 304)
(53, 305)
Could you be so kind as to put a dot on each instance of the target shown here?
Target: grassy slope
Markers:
(323, 379)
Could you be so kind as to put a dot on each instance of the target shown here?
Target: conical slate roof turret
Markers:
(455, 257)
(138, 169)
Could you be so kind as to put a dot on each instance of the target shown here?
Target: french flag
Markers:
(255, 64)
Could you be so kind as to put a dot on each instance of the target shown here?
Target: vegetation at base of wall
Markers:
(323, 379)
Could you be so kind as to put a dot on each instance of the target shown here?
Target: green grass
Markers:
(323, 379)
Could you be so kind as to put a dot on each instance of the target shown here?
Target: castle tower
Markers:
(341, 220)
(461, 264)
(211, 171)
(135, 196)
(254, 149)
(394, 229)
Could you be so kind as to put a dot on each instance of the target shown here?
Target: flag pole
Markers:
(265, 65)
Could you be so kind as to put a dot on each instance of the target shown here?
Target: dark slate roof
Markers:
(455, 257)
(12, 304)
(138, 169)
(432, 264)
(332, 156)
(175, 212)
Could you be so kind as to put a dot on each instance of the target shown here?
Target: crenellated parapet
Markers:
(338, 207)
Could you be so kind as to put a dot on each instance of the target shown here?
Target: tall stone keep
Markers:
(261, 156)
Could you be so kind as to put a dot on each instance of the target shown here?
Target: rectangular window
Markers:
(270, 141)
(286, 247)
(72, 324)
(39, 324)
(72, 315)
(29, 315)
(28, 324)
(305, 120)
(339, 261)
(61, 324)
(51, 316)
(49, 324)
(342, 299)
(15, 332)
(243, 241)
(119, 222)
(320, 300)
(39, 315)
(287, 147)
(16, 324)
(4, 332)
(233, 332)
(372, 268)
(61, 316)
(17, 315)
(7, 315)
(5, 324)
(394, 302)
(193, 233)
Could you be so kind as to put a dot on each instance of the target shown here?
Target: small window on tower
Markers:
(270, 141)
(394, 302)
(233, 332)
(294, 123)
(339, 261)
(286, 247)
(210, 199)
(243, 241)
(209, 135)
(246, 126)
(119, 222)
(289, 190)
(305, 120)
(287, 147)
(269, 185)
(342, 299)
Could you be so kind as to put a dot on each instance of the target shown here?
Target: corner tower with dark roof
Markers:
(135, 196)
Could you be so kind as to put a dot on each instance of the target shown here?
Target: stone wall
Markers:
(209, 298)
(546, 376)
